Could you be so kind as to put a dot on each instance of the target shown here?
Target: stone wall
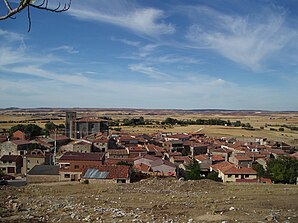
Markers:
(42, 178)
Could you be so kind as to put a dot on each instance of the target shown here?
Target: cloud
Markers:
(147, 21)
(11, 36)
(127, 42)
(149, 71)
(66, 48)
(247, 40)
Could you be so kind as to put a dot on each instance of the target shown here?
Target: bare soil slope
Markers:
(151, 200)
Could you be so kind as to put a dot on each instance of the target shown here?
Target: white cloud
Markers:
(247, 40)
(11, 36)
(125, 41)
(149, 71)
(147, 21)
(66, 48)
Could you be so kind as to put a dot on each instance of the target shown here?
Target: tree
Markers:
(33, 129)
(283, 170)
(213, 176)
(261, 172)
(193, 170)
(50, 126)
(28, 4)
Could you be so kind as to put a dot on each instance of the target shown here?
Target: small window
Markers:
(76, 167)
(66, 166)
(229, 175)
(66, 175)
(237, 175)
(37, 161)
(246, 175)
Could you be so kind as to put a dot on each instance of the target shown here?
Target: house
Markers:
(185, 160)
(196, 148)
(277, 153)
(155, 150)
(127, 140)
(117, 154)
(156, 165)
(229, 172)
(146, 159)
(20, 135)
(82, 146)
(174, 145)
(35, 158)
(136, 151)
(101, 144)
(72, 164)
(11, 164)
(241, 160)
(226, 153)
(43, 174)
(182, 137)
(205, 163)
(117, 174)
(14, 147)
(163, 168)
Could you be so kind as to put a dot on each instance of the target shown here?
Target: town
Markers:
(86, 151)
(81, 167)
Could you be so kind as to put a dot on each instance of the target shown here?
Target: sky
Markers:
(220, 54)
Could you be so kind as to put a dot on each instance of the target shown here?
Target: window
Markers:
(66, 175)
(76, 167)
(66, 166)
(37, 161)
(246, 175)
(229, 175)
(237, 175)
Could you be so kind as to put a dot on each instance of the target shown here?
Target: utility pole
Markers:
(55, 148)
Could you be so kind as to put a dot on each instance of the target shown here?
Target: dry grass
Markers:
(255, 119)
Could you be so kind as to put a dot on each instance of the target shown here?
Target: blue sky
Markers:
(153, 54)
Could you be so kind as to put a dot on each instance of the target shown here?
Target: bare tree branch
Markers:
(28, 3)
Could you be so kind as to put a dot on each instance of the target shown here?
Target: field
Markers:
(258, 119)
(151, 200)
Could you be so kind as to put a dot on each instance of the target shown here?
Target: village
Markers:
(88, 152)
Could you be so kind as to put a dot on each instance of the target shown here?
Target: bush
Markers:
(213, 176)
(85, 182)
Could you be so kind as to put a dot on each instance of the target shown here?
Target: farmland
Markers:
(265, 124)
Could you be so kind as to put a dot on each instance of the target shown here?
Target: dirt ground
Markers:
(151, 200)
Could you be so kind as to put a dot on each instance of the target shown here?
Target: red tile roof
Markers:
(185, 159)
(10, 158)
(238, 170)
(142, 167)
(221, 165)
(201, 157)
(82, 156)
(243, 158)
(21, 142)
(217, 158)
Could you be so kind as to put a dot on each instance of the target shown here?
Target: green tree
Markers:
(261, 172)
(50, 126)
(283, 170)
(33, 129)
(213, 176)
(193, 170)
